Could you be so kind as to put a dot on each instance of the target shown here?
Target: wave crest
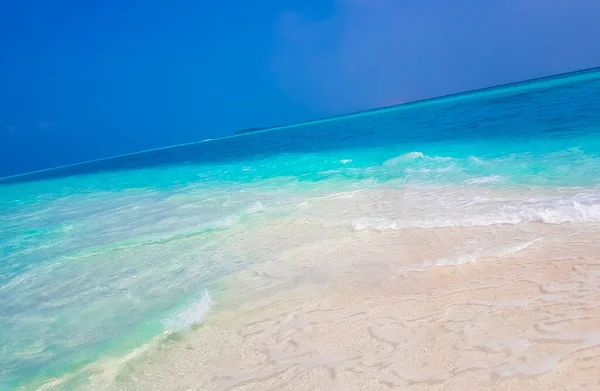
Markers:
(574, 213)
(405, 157)
(191, 315)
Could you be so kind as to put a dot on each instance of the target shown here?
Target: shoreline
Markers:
(524, 320)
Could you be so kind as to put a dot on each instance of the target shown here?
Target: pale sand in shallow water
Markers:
(379, 311)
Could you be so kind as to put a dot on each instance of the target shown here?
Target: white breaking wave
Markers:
(430, 170)
(407, 156)
(194, 314)
(565, 213)
(413, 155)
(484, 180)
(477, 160)
(462, 259)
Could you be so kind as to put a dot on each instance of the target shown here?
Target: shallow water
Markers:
(101, 259)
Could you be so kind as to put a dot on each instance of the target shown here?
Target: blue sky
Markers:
(82, 80)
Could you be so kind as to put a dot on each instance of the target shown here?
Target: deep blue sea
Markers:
(98, 259)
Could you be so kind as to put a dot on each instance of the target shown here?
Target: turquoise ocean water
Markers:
(99, 259)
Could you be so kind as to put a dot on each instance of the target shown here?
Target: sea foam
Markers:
(191, 315)
(575, 212)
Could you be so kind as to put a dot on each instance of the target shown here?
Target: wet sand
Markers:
(351, 313)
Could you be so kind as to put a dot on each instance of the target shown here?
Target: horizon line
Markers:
(584, 74)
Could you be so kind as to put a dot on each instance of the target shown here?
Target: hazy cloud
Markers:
(380, 52)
